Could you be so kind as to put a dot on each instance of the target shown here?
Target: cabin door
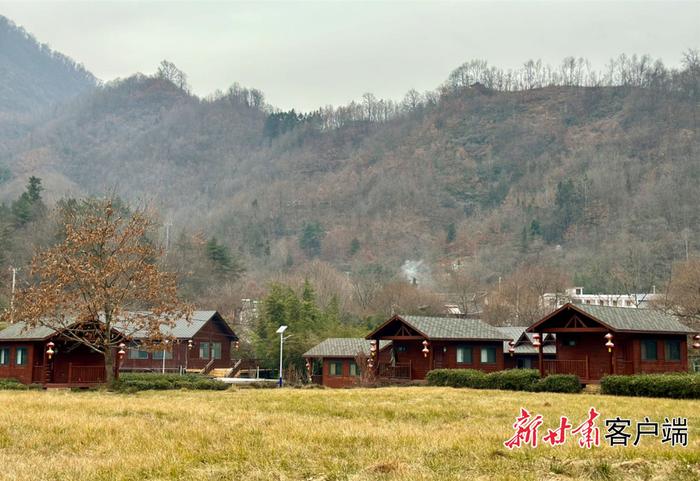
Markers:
(438, 359)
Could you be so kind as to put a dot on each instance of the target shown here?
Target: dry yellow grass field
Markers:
(412, 433)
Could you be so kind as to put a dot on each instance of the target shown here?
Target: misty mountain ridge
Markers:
(32, 75)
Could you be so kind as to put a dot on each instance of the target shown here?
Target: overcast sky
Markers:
(304, 55)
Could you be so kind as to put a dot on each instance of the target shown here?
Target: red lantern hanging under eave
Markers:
(696, 344)
(511, 347)
(49, 349)
(536, 340)
(609, 344)
(122, 351)
(425, 349)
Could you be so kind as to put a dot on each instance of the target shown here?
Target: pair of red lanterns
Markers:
(50, 351)
(536, 342)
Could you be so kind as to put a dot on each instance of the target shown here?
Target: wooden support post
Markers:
(541, 355)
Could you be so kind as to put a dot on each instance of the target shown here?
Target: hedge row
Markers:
(511, 379)
(678, 385)
(15, 385)
(132, 382)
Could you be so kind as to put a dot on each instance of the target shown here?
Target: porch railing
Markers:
(85, 374)
(578, 367)
(316, 379)
(399, 370)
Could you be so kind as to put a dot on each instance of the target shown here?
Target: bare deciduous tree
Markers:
(102, 284)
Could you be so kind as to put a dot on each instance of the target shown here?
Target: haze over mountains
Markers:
(577, 168)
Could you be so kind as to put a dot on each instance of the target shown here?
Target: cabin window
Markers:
(524, 363)
(216, 350)
(354, 371)
(464, 355)
(135, 353)
(649, 350)
(204, 350)
(488, 355)
(21, 356)
(673, 350)
(159, 355)
(335, 368)
(5, 356)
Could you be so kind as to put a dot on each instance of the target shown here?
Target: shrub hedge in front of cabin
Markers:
(132, 382)
(15, 385)
(510, 379)
(675, 385)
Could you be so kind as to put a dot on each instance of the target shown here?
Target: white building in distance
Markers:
(575, 295)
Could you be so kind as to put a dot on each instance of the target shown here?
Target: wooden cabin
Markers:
(23, 352)
(641, 341)
(524, 354)
(202, 343)
(420, 344)
(334, 360)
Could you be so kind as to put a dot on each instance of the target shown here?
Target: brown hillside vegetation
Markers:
(585, 174)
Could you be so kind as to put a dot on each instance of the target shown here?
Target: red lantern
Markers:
(536, 340)
(190, 344)
(308, 368)
(425, 350)
(237, 345)
(49, 349)
(696, 344)
(121, 351)
(511, 347)
(609, 344)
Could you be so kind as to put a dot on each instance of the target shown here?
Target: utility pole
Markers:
(167, 225)
(12, 297)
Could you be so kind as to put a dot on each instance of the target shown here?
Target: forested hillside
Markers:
(589, 173)
(32, 75)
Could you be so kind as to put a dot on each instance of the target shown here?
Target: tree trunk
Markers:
(109, 366)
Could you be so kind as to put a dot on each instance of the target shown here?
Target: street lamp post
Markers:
(165, 342)
(280, 331)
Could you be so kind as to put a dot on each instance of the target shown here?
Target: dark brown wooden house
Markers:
(334, 360)
(202, 342)
(420, 344)
(641, 341)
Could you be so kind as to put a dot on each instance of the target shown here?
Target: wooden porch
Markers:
(397, 371)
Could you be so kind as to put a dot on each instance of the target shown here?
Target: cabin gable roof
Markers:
(343, 347)
(523, 341)
(618, 319)
(444, 328)
(182, 329)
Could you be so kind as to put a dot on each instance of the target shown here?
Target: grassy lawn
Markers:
(386, 434)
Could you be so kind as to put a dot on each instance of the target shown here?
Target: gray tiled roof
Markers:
(454, 328)
(342, 347)
(181, 329)
(525, 346)
(631, 319)
(19, 332)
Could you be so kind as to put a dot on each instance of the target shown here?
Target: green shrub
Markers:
(559, 383)
(675, 385)
(132, 382)
(457, 378)
(511, 379)
(12, 384)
